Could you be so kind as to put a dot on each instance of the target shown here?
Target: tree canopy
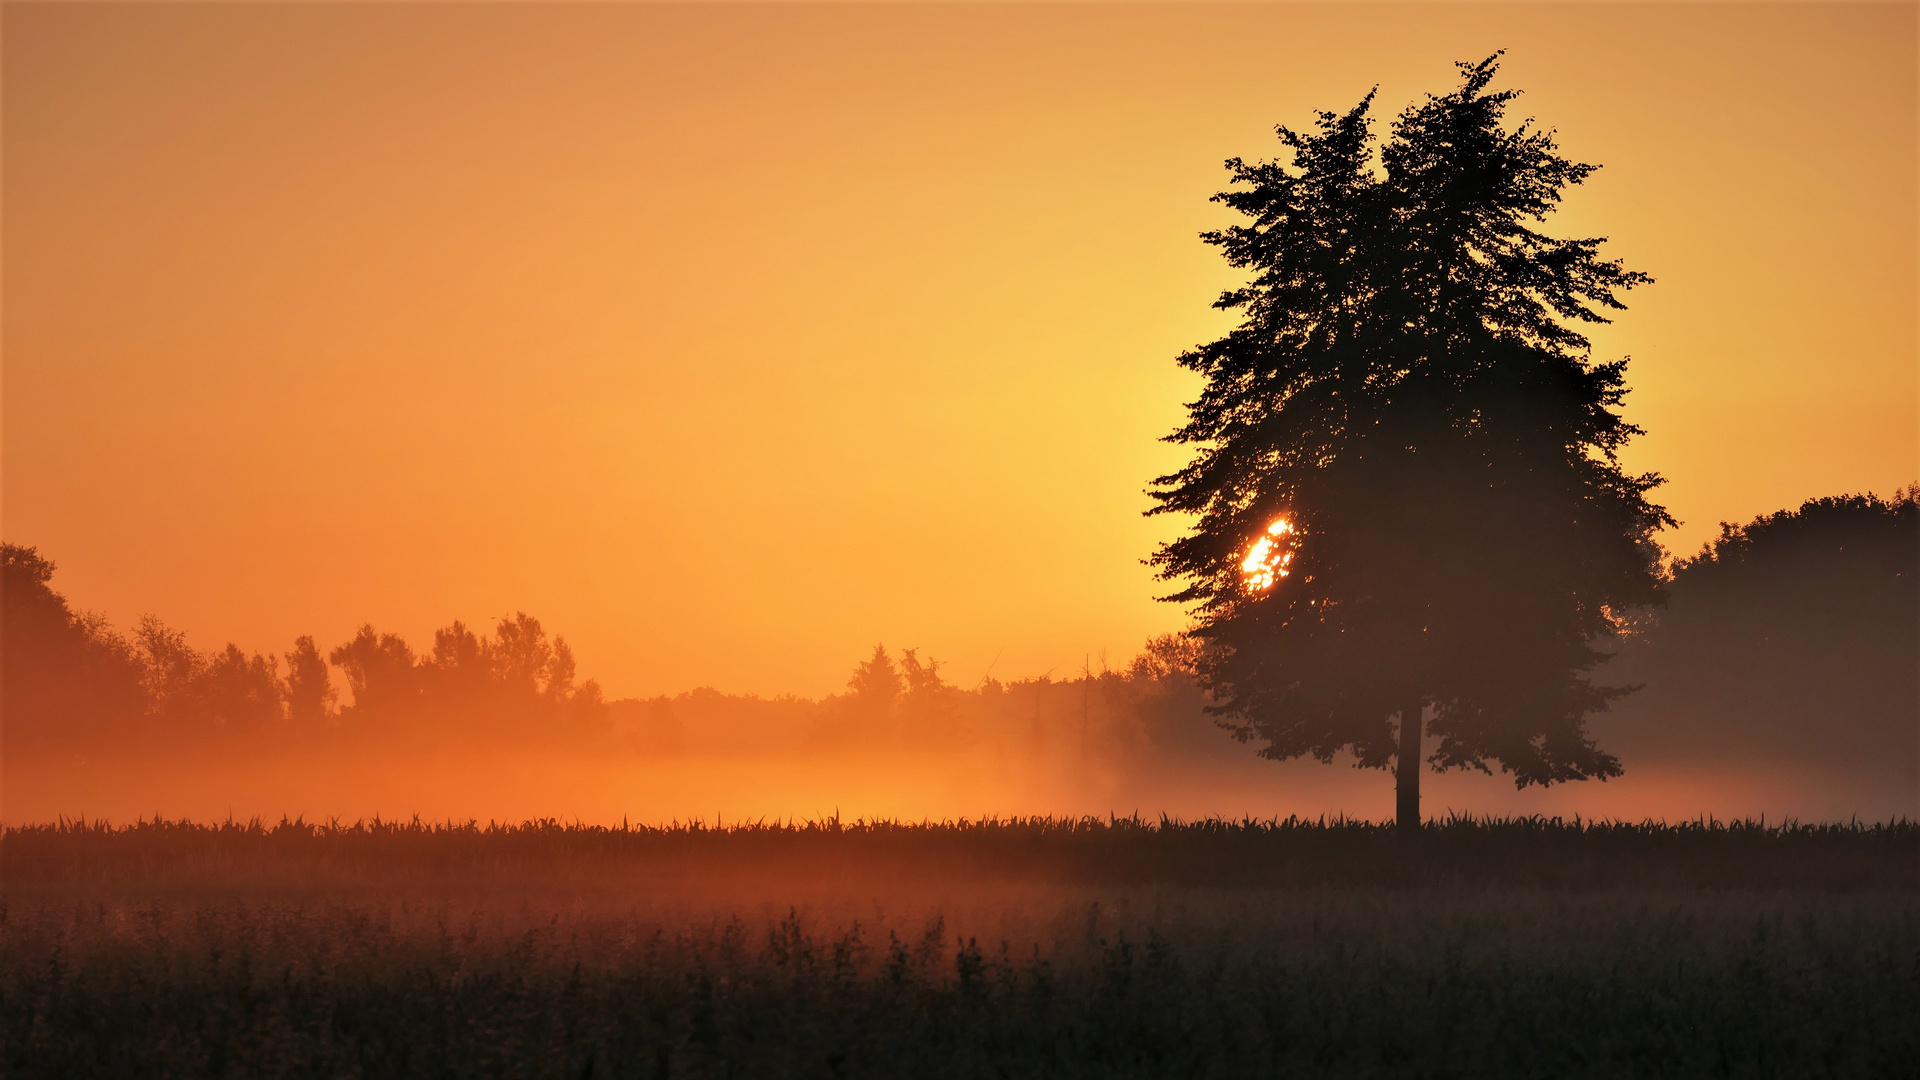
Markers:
(1792, 639)
(1405, 484)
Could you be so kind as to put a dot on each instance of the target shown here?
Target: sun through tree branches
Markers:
(1405, 484)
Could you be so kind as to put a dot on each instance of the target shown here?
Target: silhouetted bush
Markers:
(1793, 639)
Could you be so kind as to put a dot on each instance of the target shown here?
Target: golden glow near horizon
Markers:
(1268, 559)
(323, 314)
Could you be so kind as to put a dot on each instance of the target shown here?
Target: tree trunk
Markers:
(1406, 775)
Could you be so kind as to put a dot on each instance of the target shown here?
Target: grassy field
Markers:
(989, 949)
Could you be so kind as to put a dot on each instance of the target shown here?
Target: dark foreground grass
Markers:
(1041, 949)
(1279, 853)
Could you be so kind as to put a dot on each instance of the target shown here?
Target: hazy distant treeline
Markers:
(1151, 704)
(1793, 637)
(73, 682)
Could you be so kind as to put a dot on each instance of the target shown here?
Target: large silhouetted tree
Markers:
(1405, 480)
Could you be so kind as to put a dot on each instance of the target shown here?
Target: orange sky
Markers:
(730, 340)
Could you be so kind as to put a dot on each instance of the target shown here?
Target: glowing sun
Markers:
(1267, 561)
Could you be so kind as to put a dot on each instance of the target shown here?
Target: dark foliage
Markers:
(342, 991)
(60, 670)
(1794, 638)
(176, 970)
(1408, 389)
(1283, 853)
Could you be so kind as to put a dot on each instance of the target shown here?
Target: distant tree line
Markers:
(1144, 711)
(1794, 638)
(74, 683)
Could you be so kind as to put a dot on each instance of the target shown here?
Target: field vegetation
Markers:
(1035, 947)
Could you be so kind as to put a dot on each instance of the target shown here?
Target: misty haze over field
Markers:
(1780, 681)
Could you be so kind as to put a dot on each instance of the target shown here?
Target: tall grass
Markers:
(1019, 948)
(1287, 852)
